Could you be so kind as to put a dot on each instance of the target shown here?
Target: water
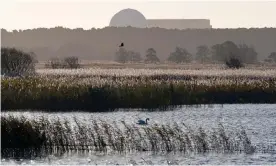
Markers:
(149, 159)
(258, 120)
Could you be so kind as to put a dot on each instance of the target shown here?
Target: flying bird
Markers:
(122, 45)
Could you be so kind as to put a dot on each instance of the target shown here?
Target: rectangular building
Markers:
(179, 23)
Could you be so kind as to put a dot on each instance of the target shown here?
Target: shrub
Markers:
(234, 63)
(20, 133)
(15, 62)
(72, 62)
(67, 62)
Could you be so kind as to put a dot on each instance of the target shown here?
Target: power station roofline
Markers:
(177, 19)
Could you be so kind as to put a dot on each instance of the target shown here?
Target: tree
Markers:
(121, 55)
(247, 54)
(151, 56)
(223, 52)
(72, 62)
(16, 62)
(202, 53)
(180, 55)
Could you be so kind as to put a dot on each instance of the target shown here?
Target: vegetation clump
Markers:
(234, 63)
(16, 63)
(68, 62)
(233, 54)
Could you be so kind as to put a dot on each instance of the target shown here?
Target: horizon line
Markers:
(94, 28)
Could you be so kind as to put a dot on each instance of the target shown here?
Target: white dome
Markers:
(128, 17)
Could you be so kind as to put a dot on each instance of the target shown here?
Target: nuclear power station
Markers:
(133, 18)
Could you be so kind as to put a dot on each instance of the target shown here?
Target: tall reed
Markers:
(103, 94)
(41, 136)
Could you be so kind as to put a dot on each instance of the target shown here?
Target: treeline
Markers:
(217, 53)
(100, 44)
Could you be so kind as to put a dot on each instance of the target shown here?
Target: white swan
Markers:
(142, 122)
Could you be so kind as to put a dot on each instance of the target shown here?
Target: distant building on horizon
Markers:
(179, 23)
(132, 17)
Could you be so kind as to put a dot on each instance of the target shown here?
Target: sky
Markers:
(87, 14)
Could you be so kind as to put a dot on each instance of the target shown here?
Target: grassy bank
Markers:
(40, 136)
(101, 93)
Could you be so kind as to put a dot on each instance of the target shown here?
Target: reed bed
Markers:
(41, 136)
(104, 92)
(248, 73)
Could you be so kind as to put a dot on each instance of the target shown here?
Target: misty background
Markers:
(101, 44)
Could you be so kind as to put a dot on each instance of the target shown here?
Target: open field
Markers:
(97, 89)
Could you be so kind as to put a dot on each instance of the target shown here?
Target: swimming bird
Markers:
(142, 122)
(122, 45)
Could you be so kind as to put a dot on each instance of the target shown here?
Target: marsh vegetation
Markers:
(108, 89)
(42, 136)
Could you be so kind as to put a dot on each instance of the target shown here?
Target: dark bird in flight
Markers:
(122, 45)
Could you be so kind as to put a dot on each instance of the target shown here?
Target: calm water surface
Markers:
(259, 121)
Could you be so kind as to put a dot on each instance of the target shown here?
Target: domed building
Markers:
(128, 17)
(133, 18)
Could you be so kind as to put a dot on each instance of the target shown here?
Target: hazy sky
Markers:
(27, 14)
